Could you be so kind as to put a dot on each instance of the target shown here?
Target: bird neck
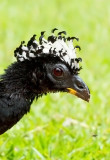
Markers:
(22, 79)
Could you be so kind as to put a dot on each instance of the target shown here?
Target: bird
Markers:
(41, 67)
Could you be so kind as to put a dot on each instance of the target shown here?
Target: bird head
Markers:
(59, 66)
(60, 77)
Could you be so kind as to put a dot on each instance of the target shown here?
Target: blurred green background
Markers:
(61, 126)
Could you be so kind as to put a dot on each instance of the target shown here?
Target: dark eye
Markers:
(58, 72)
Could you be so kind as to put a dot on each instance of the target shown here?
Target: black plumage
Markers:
(31, 77)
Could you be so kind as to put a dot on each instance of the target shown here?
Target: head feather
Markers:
(59, 46)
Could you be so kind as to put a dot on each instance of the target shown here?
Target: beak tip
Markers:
(88, 99)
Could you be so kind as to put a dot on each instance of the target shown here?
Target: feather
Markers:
(58, 45)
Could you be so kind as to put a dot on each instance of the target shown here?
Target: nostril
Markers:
(80, 86)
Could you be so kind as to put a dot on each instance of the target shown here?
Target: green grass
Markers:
(42, 133)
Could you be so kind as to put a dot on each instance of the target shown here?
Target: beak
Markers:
(79, 89)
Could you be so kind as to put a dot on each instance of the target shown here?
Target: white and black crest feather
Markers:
(58, 45)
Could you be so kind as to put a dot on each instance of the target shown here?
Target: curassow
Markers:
(46, 66)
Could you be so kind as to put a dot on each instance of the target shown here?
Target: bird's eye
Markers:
(58, 72)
